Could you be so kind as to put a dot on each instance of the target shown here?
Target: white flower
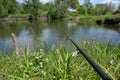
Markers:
(41, 64)
(31, 63)
(40, 56)
(43, 72)
(41, 50)
(75, 53)
(47, 60)
(111, 61)
(36, 57)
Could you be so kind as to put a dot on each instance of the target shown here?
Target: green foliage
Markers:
(7, 7)
(54, 10)
(100, 9)
(103, 9)
(27, 6)
(73, 4)
(58, 63)
(32, 7)
(11, 6)
(87, 8)
(82, 10)
(91, 11)
(57, 9)
(87, 4)
(105, 17)
(20, 8)
(110, 7)
(3, 11)
(35, 8)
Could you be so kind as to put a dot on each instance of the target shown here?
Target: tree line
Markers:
(7, 7)
(55, 9)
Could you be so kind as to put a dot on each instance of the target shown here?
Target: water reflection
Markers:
(71, 24)
(50, 36)
(25, 39)
(99, 34)
(27, 34)
(6, 45)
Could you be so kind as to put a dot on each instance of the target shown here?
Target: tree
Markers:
(89, 7)
(86, 8)
(91, 11)
(58, 9)
(32, 7)
(27, 6)
(12, 6)
(82, 10)
(7, 7)
(100, 9)
(35, 8)
(20, 9)
(87, 4)
(74, 4)
(3, 11)
(109, 8)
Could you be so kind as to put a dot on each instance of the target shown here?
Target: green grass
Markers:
(59, 64)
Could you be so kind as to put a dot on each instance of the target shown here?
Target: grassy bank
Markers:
(102, 17)
(59, 64)
(69, 16)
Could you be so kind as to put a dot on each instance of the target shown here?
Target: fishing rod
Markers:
(90, 60)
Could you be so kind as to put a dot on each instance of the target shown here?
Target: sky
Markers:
(116, 2)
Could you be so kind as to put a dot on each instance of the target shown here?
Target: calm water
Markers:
(35, 34)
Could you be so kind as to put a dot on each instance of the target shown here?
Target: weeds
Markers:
(59, 64)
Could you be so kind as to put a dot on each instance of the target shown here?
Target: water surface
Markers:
(37, 34)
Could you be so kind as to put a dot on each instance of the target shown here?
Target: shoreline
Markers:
(12, 19)
(114, 19)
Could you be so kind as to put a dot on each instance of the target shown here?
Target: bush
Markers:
(3, 12)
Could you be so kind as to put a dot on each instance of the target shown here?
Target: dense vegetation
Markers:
(58, 63)
(7, 7)
(54, 10)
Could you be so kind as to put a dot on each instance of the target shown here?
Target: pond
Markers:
(37, 34)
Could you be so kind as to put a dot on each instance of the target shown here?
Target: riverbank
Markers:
(13, 19)
(70, 17)
(105, 19)
(58, 63)
(17, 18)
(110, 19)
